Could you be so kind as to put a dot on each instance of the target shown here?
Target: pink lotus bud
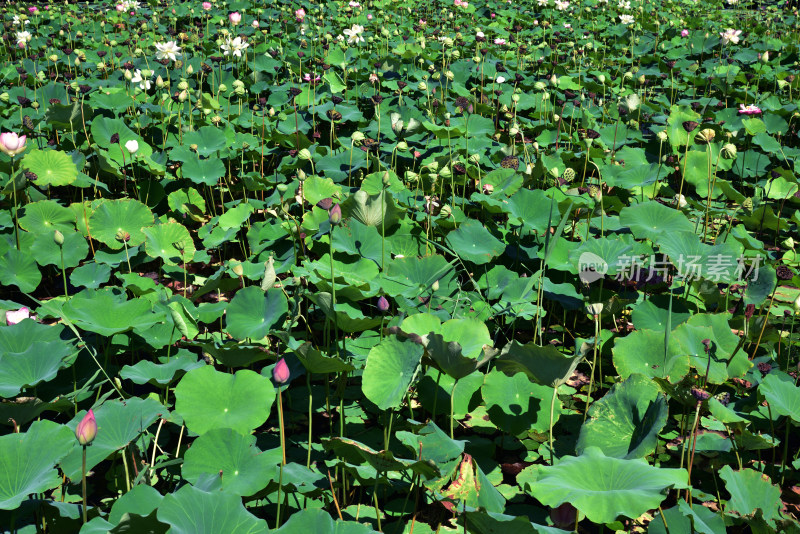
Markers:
(493, 15)
(235, 18)
(87, 429)
(280, 373)
(383, 304)
(206, 5)
(11, 143)
(369, 16)
(335, 215)
(684, 33)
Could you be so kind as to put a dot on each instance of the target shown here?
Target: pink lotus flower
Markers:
(255, 24)
(86, 429)
(33, 9)
(11, 143)
(749, 110)
(457, 3)
(235, 18)
(120, 8)
(14, 317)
(206, 5)
(281, 373)
(684, 33)
(300, 14)
(499, 41)
(307, 77)
(369, 16)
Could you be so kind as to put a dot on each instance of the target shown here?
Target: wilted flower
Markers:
(11, 143)
(749, 110)
(307, 77)
(15, 316)
(235, 18)
(280, 373)
(169, 50)
(730, 36)
(86, 430)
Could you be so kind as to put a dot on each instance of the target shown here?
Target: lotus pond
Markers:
(400, 266)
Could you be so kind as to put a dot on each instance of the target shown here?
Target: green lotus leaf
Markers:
(46, 216)
(171, 242)
(543, 365)
(141, 500)
(377, 210)
(28, 460)
(203, 171)
(233, 457)
(208, 399)
(320, 522)
(193, 511)
(253, 313)
(90, 275)
(493, 523)
(515, 405)
(648, 220)
(750, 492)
(51, 167)
(39, 363)
(47, 252)
(107, 312)
(605, 488)
(643, 351)
(18, 268)
(625, 423)
(146, 371)
(114, 220)
(391, 366)
(473, 242)
(782, 394)
(208, 140)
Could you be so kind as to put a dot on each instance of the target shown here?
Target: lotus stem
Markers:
(83, 483)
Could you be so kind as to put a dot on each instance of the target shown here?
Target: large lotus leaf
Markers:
(473, 242)
(46, 216)
(643, 351)
(651, 219)
(103, 128)
(625, 423)
(782, 394)
(118, 423)
(234, 458)
(724, 342)
(685, 518)
(234, 354)
(605, 488)
(113, 220)
(235, 217)
(252, 313)
(761, 286)
(208, 399)
(106, 312)
(495, 523)
(171, 242)
(615, 253)
(316, 188)
(39, 363)
(51, 167)
(372, 210)
(360, 240)
(27, 333)
(208, 140)
(437, 388)
(28, 459)
(694, 259)
(543, 365)
(320, 522)
(316, 362)
(193, 511)
(654, 313)
(751, 491)
(515, 405)
(203, 171)
(390, 368)
(411, 276)
(146, 371)
(140, 500)
(382, 461)
(527, 208)
(18, 268)
(47, 252)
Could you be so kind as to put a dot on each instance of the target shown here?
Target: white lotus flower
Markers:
(624, 4)
(143, 81)
(626, 19)
(234, 47)
(169, 50)
(354, 34)
(23, 37)
(17, 21)
(542, 3)
(561, 5)
(730, 36)
(132, 146)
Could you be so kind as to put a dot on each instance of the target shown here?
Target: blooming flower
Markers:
(12, 144)
(561, 5)
(480, 34)
(500, 79)
(307, 77)
(730, 36)
(373, 78)
(281, 373)
(33, 9)
(143, 81)
(684, 33)
(23, 37)
(300, 14)
(542, 3)
(354, 34)
(749, 110)
(626, 19)
(206, 5)
(86, 430)
(17, 21)
(369, 16)
(132, 146)
(234, 47)
(255, 24)
(499, 41)
(235, 18)
(624, 4)
(169, 50)
(354, 4)
(16, 316)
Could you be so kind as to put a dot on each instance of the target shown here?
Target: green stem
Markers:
(83, 483)
(552, 410)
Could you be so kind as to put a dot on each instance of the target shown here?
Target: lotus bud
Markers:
(281, 373)
(476, 59)
(554, 80)
(765, 57)
(358, 136)
(128, 75)
(189, 70)
(271, 112)
(86, 430)
(335, 215)
(383, 304)
(301, 175)
(435, 286)
(237, 268)
(729, 151)
(628, 76)
(515, 98)
(53, 57)
(58, 237)
(436, 75)
(183, 95)
(304, 154)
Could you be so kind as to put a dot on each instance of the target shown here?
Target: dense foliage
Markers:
(399, 266)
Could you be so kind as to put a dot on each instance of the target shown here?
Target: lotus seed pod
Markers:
(475, 158)
(183, 85)
(436, 75)
(237, 268)
(358, 136)
(402, 146)
(569, 174)
(223, 88)
(449, 75)
(706, 135)
(446, 211)
(53, 57)
(662, 136)
(128, 75)
(515, 98)
(422, 86)
(594, 309)
(304, 154)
